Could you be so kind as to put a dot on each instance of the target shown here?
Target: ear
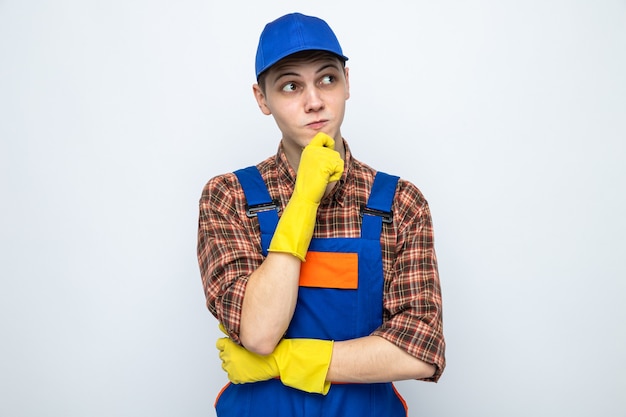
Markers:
(346, 72)
(260, 99)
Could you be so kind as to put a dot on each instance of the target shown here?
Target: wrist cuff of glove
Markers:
(295, 228)
(304, 364)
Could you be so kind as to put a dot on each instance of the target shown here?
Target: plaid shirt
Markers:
(229, 250)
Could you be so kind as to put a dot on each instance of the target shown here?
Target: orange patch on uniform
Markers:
(330, 270)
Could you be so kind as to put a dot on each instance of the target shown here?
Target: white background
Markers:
(509, 115)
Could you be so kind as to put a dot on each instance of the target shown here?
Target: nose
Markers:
(313, 100)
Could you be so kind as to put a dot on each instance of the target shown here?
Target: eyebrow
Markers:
(288, 73)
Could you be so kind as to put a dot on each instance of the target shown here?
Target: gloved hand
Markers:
(300, 363)
(319, 165)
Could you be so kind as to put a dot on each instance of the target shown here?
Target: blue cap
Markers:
(293, 33)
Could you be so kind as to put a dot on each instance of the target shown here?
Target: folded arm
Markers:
(373, 359)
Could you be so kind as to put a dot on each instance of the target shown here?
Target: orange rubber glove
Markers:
(319, 165)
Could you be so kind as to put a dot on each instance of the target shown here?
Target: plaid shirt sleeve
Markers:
(228, 249)
(413, 303)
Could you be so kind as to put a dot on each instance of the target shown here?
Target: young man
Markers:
(321, 270)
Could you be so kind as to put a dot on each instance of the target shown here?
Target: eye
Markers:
(327, 79)
(289, 87)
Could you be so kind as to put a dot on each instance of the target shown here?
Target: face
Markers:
(305, 96)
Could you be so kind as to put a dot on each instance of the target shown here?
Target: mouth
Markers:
(317, 124)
